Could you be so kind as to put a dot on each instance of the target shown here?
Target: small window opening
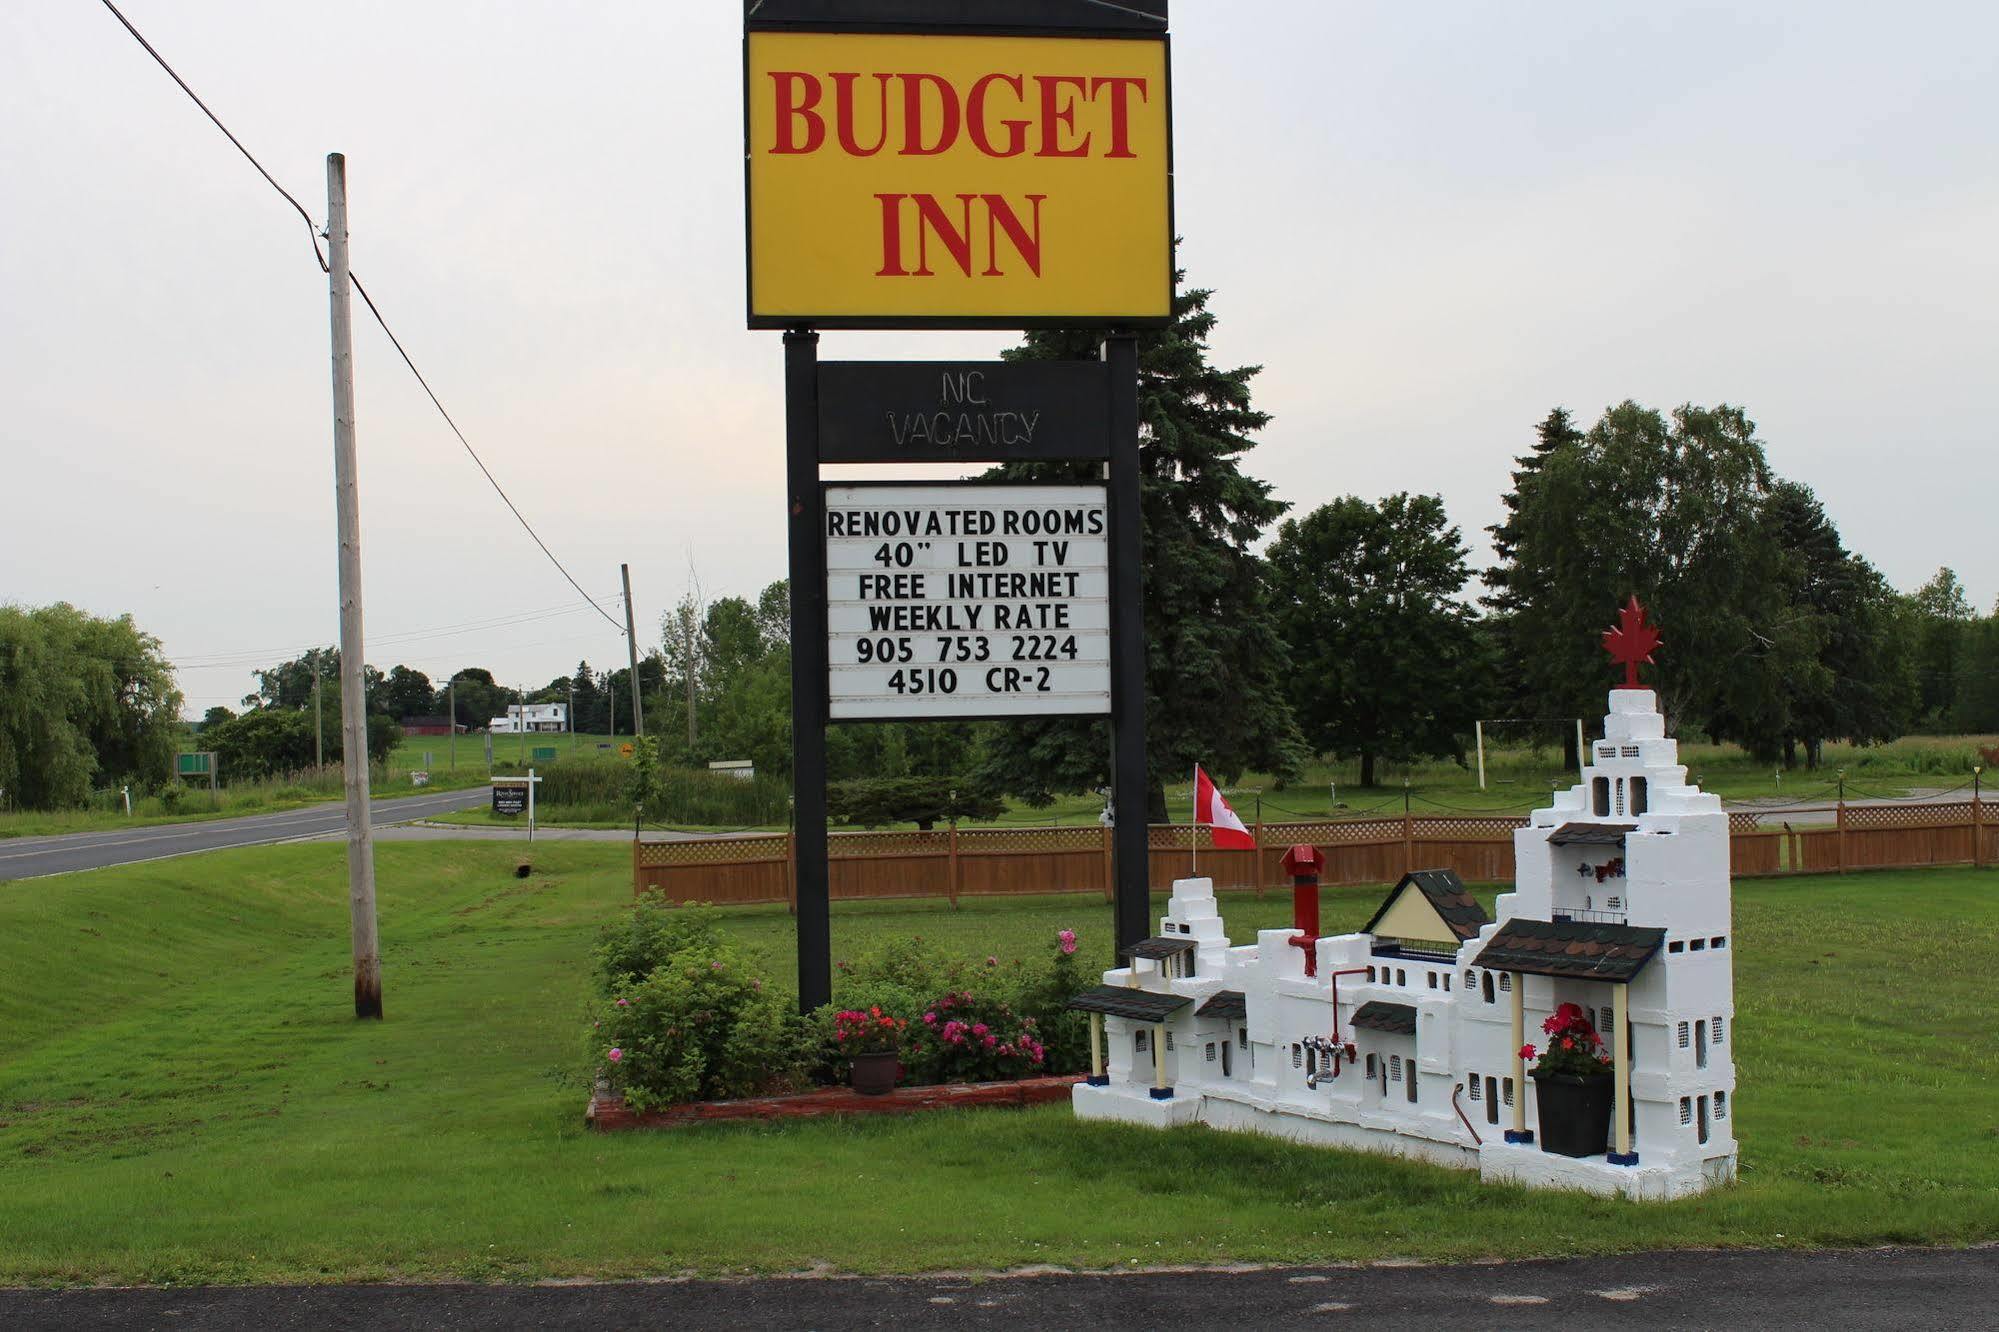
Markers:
(1471, 1085)
(1686, 1110)
(1506, 981)
(1491, 1102)
(1138, 1042)
(1211, 1052)
(1721, 1105)
(1676, 947)
(1411, 1082)
(1600, 793)
(1640, 796)
(1700, 1043)
(1702, 1126)
(1696, 945)
(1485, 986)
(1433, 979)
(1506, 1091)
(1370, 1067)
(1683, 1033)
(1714, 1029)
(1401, 976)
(1719, 941)
(1395, 1068)
(1297, 1055)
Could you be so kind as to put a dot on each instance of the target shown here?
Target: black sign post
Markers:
(806, 520)
(1130, 846)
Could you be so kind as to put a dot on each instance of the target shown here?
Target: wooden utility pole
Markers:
(632, 646)
(353, 686)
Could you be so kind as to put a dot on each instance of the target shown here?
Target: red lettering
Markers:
(912, 116)
(843, 113)
(796, 94)
(975, 118)
(930, 217)
(1120, 111)
(892, 236)
(1000, 214)
(1056, 117)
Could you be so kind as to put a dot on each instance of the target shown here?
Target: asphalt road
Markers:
(29, 857)
(1874, 1288)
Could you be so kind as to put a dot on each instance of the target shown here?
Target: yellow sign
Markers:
(625, 749)
(910, 181)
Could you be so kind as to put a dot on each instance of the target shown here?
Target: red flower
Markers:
(1568, 1044)
(1526, 1052)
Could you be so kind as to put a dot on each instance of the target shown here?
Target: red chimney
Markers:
(1303, 863)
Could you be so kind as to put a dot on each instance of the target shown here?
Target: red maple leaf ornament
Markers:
(1631, 642)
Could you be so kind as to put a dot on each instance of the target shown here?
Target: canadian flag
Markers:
(1223, 824)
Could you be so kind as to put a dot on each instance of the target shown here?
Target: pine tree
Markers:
(1215, 664)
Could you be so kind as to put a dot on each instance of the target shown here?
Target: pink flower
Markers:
(616, 1054)
(980, 1029)
(1068, 940)
(714, 966)
(624, 1003)
(992, 961)
(991, 1041)
(930, 1018)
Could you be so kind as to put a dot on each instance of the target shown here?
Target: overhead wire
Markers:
(316, 232)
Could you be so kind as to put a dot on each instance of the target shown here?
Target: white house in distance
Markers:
(531, 717)
(1406, 1036)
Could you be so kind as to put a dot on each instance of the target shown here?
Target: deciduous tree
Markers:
(1366, 597)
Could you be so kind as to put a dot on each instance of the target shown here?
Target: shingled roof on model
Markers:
(1225, 1004)
(1395, 1019)
(1152, 950)
(1448, 894)
(1571, 948)
(1591, 834)
(1125, 1002)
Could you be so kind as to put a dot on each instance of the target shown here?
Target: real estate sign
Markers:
(935, 180)
(967, 601)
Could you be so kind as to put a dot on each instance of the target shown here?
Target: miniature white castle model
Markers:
(1407, 1036)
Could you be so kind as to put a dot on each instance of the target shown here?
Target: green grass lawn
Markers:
(184, 1096)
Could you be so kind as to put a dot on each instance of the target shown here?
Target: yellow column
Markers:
(1620, 1056)
(1096, 1045)
(1519, 1064)
(1159, 1057)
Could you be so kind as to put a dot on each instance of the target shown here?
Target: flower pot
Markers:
(874, 1073)
(1574, 1112)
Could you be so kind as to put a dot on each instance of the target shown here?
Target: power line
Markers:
(368, 300)
(255, 656)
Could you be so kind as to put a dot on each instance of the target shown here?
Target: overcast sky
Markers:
(1429, 223)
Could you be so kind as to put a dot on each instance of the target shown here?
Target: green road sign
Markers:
(544, 753)
(194, 764)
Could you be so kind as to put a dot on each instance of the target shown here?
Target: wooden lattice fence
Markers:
(990, 862)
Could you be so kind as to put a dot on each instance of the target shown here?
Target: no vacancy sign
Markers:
(967, 601)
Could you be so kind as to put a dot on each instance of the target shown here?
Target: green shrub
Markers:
(1064, 1033)
(631, 949)
(701, 1027)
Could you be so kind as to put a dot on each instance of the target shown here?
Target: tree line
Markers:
(1363, 632)
(1356, 632)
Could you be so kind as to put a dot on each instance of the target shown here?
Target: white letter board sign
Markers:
(967, 601)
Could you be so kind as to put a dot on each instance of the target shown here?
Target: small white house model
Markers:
(1406, 1037)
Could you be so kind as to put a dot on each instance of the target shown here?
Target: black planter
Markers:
(1575, 1113)
(875, 1073)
